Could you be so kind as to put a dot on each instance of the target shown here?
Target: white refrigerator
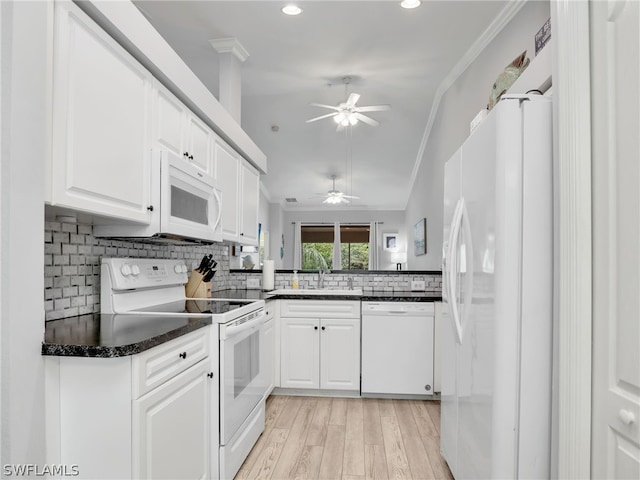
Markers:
(497, 286)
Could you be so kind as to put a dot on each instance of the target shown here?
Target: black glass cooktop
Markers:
(195, 306)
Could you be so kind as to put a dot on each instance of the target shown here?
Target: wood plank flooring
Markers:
(347, 439)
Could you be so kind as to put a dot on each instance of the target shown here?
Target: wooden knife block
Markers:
(196, 288)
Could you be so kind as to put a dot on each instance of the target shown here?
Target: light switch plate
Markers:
(417, 285)
(253, 283)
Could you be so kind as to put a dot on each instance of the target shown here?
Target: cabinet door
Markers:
(168, 121)
(340, 354)
(101, 122)
(171, 428)
(299, 353)
(199, 145)
(227, 174)
(249, 200)
(268, 353)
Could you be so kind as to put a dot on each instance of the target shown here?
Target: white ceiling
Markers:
(395, 56)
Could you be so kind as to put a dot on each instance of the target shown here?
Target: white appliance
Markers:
(185, 205)
(243, 387)
(154, 288)
(497, 285)
(397, 348)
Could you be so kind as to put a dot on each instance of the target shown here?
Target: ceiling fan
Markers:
(335, 197)
(348, 113)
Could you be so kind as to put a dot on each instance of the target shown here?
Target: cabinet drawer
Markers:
(320, 308)
(154, 367)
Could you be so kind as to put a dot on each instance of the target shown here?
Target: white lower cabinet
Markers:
(171, 428)
(318, 348)
(143, 416)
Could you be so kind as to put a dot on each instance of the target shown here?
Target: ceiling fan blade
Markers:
(350, 196)
(352, 100)
(332, 107)
(373, 108)
(367, 120)
(321, 117)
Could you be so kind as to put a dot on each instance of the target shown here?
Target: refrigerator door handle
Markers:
(468, 292)
(453, 267)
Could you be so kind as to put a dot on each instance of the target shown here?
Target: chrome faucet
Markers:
(350, 283)
(321, 273)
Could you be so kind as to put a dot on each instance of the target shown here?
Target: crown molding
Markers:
(501, 21)
(230, 45)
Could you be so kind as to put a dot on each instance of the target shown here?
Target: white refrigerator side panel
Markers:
(449, 400)
(508, 264)
(537, 274)
(475, 358)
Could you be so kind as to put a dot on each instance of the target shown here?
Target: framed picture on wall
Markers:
(420, 237)
(390, 241)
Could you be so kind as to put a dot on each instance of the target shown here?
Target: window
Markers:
(354, 247)
(318, 247)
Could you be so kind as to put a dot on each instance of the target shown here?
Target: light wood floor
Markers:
(347, 439)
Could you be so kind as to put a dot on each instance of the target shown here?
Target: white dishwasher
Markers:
(397, 348)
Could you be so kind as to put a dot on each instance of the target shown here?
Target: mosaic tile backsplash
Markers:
(72, 257)
(388, 282)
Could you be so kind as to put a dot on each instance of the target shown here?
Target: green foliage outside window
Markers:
(316, 256)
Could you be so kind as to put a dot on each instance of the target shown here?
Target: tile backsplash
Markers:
(369, 281)
(72, 257)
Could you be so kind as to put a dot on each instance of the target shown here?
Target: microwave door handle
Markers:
(219, 200)
(233, 330)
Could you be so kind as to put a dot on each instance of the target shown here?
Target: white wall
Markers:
(459, 105)
(393, 223)
(25, 38)
(276, 224)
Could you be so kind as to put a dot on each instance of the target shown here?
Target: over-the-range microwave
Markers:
(185, 205)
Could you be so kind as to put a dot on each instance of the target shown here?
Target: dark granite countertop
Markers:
(367, 295)
(106, 335)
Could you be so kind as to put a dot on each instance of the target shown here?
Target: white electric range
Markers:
(155, 288)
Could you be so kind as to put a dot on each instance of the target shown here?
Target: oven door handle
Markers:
(232, 330)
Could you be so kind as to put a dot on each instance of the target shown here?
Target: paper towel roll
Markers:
(268, 273)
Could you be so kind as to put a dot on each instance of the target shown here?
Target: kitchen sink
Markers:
(317, 291)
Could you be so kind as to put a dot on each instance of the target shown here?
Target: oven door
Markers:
(189, 199)
(242, 381)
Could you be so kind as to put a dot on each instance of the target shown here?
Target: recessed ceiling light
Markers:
(410, 3)
(291, 10)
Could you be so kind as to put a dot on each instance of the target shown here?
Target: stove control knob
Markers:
(184, 269)
(125, 270)
(135, 270)
(177, 268)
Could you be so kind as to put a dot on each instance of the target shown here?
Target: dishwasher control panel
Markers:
(401, 308)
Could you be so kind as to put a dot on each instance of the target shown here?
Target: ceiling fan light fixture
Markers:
(339, 118)
(291, 10)
(410, 3)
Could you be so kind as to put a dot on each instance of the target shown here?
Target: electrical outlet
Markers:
(253, 283)
(417, 285)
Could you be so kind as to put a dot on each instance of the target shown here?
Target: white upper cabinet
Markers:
(228, 174)
(198, 144)
(101, 122)
(177, 129)
(249, 200)
(168, 120)
(240, 185)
